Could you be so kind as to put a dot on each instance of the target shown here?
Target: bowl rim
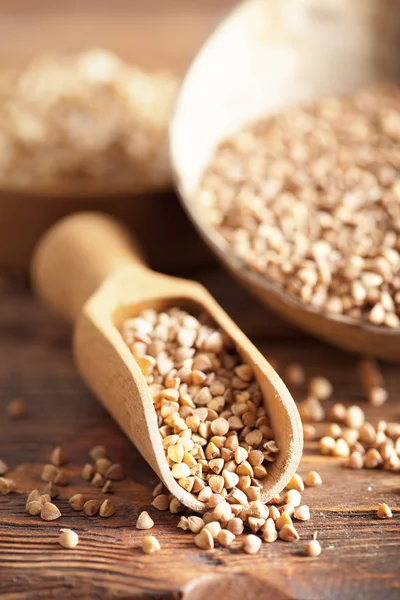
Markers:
(216, 241)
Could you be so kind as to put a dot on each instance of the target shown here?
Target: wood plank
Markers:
(360, 553)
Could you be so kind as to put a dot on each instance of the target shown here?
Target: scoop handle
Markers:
(76, 255)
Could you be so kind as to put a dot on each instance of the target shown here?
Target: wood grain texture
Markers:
(361, 555)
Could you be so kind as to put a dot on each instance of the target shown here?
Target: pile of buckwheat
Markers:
(234, 517)
(218, 441)
(216, 433)
(83, 119)
(310, 199)
(214, 426)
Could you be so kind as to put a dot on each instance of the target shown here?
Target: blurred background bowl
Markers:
(266, 55)
(153, 34)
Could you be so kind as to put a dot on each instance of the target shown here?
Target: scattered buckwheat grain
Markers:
(373, 382)
(204, 540)
(68, 538)
(51, 489)
(320, 387)
(49, 473)
(295, 374)
(384, 511)
(175, 506)
(98, 480)
(282, 520)
(144, 521)
(97, 452)
(302, 513)
(107, 509)
(355, 417)
(16, 409)
(287, 508)
(115, 472)
(183, 523)
(288, 533)
(61, 478)
(372, 459)
(338, 412)
(235, 526)
(102, 465)
(311, 410)
(327, 445)
(49, 512)
(107, 487)
(269, 531)
(150, 544)
(214, 427)
(7, 485)
(296, 483)
(293, 497)
(58, 457)
(91, 507)
(309, 432)
(313, 479)
(33, 495)
(34, 507)
(313, 548)
(158, 489)
(377, 396)
(77, 502)
(195, 524)
(334, 431)
(161, 502)
(341, 448)
(88, 472)
(355, 460)
(213, 527)
(252, 544)
(225, 537)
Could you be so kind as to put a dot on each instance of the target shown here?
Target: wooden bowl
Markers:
(136, 32)
(266, 55)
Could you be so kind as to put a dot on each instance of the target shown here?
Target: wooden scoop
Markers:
(89, 270)
(266, 55)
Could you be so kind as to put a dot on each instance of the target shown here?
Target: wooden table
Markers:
(361, 554)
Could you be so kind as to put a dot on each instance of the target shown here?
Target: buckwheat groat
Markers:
(310, 199)
(215, 430)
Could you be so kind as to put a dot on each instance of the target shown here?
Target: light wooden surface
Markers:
(361, 555)
(88, 271)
